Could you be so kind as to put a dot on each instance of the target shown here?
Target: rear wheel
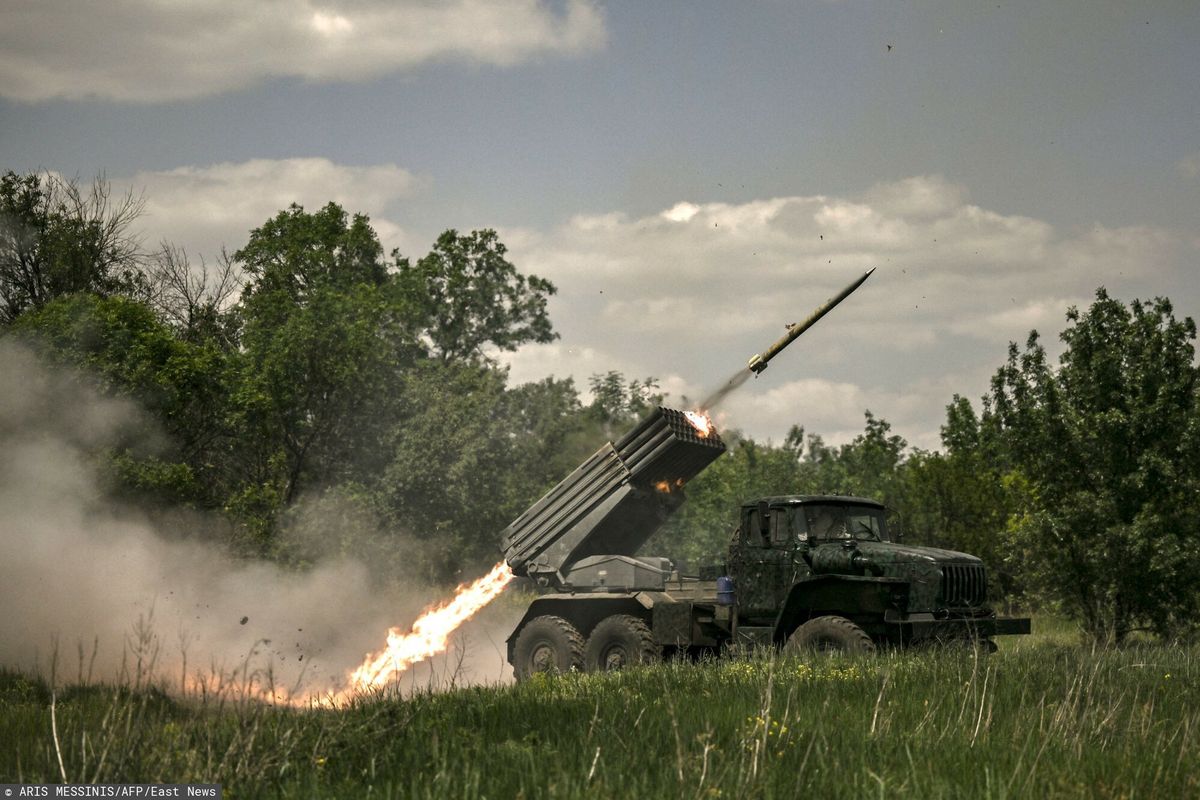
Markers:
(830, 635)
(547, 644)
(620, 641)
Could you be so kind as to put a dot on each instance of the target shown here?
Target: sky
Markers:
(693, 176)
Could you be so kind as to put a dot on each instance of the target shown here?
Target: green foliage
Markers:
(471, 455)
(868, 466)
(1109, 447)
(130, 353)
(353, 374)
(296, 253)
(958, 498)
(324, 342)
(470, 296)
(57, 238)
(316, 381)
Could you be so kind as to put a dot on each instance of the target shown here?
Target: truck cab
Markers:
(798, 558)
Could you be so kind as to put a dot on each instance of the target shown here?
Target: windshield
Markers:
(830, 521)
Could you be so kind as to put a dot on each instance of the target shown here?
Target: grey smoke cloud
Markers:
(78, 569)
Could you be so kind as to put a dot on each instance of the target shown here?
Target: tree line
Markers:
(309, 376)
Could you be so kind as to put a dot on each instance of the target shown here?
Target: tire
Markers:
(830, 635)
(547, 644)
(620, 641)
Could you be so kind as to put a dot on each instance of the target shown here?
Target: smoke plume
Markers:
(96, 585)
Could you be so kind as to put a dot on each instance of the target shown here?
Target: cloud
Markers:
(1041, 314)
(204, 208)
(696, 289)
(826, 407)
(148, 50)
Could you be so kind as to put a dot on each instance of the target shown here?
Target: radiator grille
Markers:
(963, 585)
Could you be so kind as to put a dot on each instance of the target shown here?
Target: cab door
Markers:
(766, 561)
(788, 540)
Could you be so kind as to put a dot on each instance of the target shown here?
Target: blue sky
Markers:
(692, 175)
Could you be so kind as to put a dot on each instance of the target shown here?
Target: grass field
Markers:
(1045, 717)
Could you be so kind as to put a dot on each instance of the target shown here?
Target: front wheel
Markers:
(830, 635)
(547, 644)
(620, 641)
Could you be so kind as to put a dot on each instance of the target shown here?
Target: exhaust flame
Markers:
(666, 487)
(430, 634)
(700, 422)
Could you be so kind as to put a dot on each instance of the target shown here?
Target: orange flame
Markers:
(700, 422)
(430, 634)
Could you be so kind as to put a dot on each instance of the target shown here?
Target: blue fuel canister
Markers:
(726, 595)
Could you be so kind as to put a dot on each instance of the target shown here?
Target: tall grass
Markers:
(1044, 717)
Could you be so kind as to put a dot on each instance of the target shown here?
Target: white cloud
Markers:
(694, 290)
(536, 361)
(149, 50)
(826, 407)
(203, 208)
(1034, 314)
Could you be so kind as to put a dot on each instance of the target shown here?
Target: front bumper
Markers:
(919, 627)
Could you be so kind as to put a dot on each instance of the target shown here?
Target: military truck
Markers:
(806, 572)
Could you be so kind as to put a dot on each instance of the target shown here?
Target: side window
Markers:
(780, 530)
(799, 524)
(753, 527)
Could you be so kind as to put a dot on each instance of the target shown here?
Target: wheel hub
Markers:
(542, 658)
(614, 659)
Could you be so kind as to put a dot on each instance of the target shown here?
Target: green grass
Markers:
(1044, 717)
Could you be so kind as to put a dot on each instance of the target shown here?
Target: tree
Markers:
(1106, 453)
(325, 338)
(960, 498)
(470, 296)
(130, 353)
(470, 455)
(297, 252)
(195, 301)
(617, 405)
(868, 466)
(57, 237)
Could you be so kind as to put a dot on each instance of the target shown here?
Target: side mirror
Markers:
(895, 528)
